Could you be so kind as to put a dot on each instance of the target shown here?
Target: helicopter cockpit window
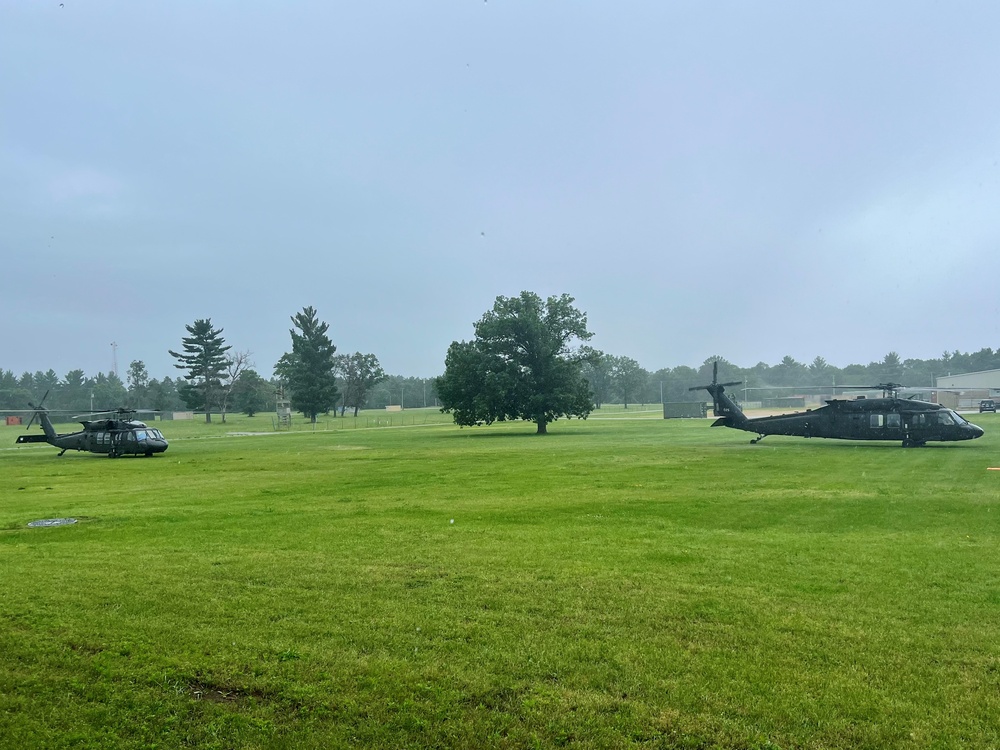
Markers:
(946, 416)
(877, 420)
(140, 434)
(892, 420)
(130, 437)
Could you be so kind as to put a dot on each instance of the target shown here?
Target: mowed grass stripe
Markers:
(614, 583)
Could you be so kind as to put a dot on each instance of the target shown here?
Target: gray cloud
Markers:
(752, 181)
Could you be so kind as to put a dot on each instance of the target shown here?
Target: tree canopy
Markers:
(522, 364)
(597, 372)
(138, 383)
(360, 372)
(628, 378)
(252, 393)
(309, 369)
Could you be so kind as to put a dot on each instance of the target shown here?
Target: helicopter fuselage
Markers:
(909, 421)
(112, 437)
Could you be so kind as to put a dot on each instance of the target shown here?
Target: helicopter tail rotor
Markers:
(722, 405)
(42, 415)
(37, 409)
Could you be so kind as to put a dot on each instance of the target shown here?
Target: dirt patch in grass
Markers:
(201, 691)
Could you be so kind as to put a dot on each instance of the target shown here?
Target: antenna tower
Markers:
(114, 358)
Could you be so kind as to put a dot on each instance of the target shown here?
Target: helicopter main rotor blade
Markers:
(715, 380)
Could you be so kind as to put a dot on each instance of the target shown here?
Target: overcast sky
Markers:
(751, 180)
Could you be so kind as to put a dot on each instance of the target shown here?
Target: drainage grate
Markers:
(51, 522)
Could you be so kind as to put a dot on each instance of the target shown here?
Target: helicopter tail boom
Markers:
(47, 428)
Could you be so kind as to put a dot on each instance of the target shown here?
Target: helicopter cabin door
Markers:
(100, 441)
(885, 425)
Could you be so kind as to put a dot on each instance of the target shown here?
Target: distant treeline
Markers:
(79, 393)
(621, 380)
(612, 379)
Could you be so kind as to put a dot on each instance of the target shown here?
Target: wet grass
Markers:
(614, 584)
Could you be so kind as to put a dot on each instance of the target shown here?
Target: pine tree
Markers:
(309, 368)
(204, 359)
(138, 383)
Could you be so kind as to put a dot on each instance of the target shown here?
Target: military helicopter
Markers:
(888, 418)
(115, 433)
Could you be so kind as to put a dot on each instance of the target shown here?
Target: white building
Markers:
(966, 389)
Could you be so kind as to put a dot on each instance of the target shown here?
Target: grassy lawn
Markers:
(617, 583)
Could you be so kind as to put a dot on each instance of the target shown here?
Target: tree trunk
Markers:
(541, 427)
(208, 417)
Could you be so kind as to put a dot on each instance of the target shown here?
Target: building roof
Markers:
(983, 379)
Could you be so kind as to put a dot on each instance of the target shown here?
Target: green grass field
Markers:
(617, 583)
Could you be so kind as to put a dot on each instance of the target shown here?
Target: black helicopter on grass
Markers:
(908, 420)
(112, 433)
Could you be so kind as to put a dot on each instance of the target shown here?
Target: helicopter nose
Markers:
(976, 430)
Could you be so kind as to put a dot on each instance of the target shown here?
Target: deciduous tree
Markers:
(361, 373)
(252, 393)
(162, 395)
(236, 364)
(628, 377)
(596, 371)
(522, 364)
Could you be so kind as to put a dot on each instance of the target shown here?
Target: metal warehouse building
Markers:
(966, 389)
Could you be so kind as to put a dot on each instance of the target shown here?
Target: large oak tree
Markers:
(522, 364)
